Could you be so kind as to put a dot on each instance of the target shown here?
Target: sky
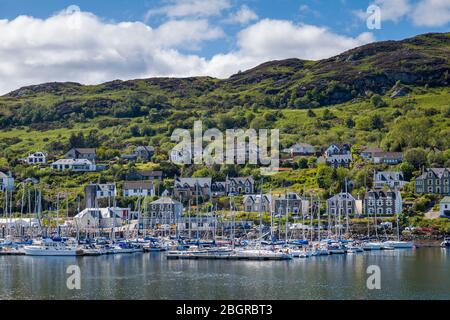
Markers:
(94, 41)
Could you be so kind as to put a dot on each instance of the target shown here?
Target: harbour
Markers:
(405, 274)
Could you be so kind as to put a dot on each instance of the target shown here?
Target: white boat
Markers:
(445, 243)
(336, 248)
(48, 247)
(93, 251)
(399, 244)
(369, 246)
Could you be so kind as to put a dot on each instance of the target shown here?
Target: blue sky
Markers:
(102, 40)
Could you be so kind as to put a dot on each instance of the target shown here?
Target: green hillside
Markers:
(392, 94)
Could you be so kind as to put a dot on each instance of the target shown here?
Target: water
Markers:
(405, 274)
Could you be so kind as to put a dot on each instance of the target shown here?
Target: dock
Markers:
(228, 256)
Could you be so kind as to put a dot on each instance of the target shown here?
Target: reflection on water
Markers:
(405, 274)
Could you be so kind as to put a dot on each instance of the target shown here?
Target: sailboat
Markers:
(398, 244)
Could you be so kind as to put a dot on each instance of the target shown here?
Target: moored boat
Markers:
(48, 247)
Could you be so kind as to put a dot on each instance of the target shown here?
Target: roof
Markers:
(241, 179)
(388, 155)
(437, 171)
(137, 185)
(342, 196)
(165, 200)
(151, 173)
(371, 149)
(446, 199)
(101, 213)
(192, 182)
(381, 193)
(85, 150)
(255, 198)
(389, 175)
(72, 161)
(3, 175)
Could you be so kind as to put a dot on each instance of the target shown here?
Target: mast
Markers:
(232, 221)
(287, 218)
(312, 217)
(196, 207)
(346, 211)
(318, 218)
(260, 213)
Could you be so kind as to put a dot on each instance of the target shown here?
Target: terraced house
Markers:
(383, 202)
(434, 181)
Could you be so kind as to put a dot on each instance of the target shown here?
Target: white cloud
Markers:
(82, 48)
(431, 13)
(185, 8)
(243, 16)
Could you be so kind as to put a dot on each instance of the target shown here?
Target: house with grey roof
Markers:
(76, 165)
(390, 158)
(383, 202)
(433, 181)
(254, 203)
(391, 179)
(300, 149)
(344, 204)
(139, 188)
(165, 210)
(187, 188)
(291, 202)
(338, 154)
(81, 153)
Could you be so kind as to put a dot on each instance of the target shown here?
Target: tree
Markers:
(350, 123)
(310, 113)
(377, 101)
(417, 157)
(376, 122)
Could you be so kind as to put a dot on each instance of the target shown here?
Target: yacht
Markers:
(369, 246)
(399, 244)
(48, 247)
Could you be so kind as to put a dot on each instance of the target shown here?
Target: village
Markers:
(200, 204)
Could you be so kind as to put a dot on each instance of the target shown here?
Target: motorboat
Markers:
(336, 248)
(399, 244)
(369, 246)
(48, 247)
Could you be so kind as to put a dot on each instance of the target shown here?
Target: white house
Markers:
(138, 188)
(6, 181)
(36, 158)
(444, 206)
(300, 149)
(392, 179)
(338, 154)
(77, 165)
(101, 217)
(337, 160)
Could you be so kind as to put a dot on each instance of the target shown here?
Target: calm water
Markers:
(405, 274)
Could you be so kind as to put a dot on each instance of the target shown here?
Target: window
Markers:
(388, 211)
